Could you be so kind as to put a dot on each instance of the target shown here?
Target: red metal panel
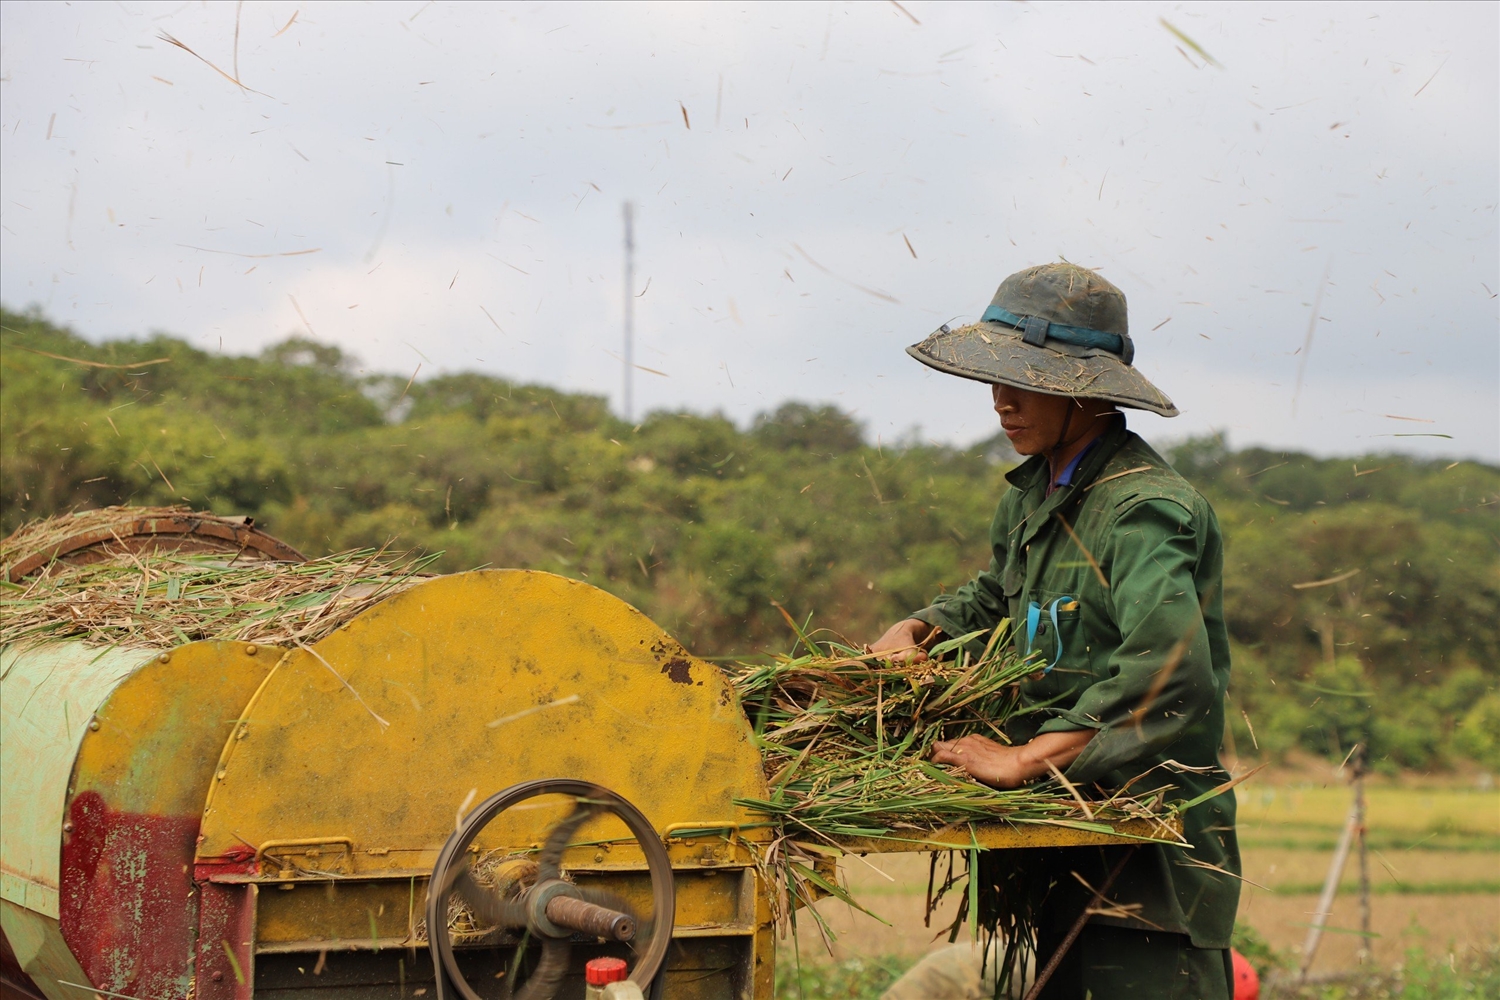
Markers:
(226, 936)
(128, 902)
(127, 906)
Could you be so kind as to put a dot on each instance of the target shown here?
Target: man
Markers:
(1108, 565)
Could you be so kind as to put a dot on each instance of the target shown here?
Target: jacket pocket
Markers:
(1052, 630)
(1057, 649)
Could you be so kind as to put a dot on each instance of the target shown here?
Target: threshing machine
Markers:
(470, 790)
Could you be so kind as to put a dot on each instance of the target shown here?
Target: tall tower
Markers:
(629, 374)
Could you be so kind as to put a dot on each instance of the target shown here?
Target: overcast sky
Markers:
(818, 185)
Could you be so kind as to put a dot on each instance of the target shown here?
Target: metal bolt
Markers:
(218, 977)
(164, 657)
(68, 827)
(94, 725)
(250, 650)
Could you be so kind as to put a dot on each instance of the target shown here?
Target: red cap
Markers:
(1246, 982)
(601, 971)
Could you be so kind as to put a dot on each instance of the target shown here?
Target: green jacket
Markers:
(1143, 659)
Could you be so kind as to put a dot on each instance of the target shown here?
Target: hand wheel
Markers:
(551, 908)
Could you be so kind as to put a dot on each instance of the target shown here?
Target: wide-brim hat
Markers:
(1059, 329)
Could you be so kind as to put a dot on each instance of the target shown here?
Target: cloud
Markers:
(455, 159)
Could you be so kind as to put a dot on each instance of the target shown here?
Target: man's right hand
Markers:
(905, 641)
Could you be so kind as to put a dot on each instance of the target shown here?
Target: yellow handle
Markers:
(705, 826)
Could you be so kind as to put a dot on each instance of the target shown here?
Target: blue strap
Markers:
(1034, 620)
(1036, 330)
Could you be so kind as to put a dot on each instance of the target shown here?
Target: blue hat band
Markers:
(1036, 331)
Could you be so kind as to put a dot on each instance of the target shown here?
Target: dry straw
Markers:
(846, 739)
(163, 599)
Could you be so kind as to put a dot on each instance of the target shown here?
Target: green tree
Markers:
(1361, 593)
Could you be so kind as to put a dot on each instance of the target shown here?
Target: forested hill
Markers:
(704, 525)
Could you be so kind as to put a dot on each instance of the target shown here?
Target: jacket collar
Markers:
(1032, 474)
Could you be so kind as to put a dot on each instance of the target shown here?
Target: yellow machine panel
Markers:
(352, 763)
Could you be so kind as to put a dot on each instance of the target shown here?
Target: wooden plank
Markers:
(1003, 836)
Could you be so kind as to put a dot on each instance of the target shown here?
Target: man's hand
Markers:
(905, 641)
(994, 764)
(1004, 767)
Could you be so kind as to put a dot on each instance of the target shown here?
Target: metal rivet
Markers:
(94, 725)
(218, 977)
(250, 650)
(164, 657)
(68, 827)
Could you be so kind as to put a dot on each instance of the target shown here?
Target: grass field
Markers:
(1434, 865)
(1418, 977)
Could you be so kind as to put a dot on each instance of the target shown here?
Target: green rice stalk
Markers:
(845, 738)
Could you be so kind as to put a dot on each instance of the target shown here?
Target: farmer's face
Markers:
(1032, 421)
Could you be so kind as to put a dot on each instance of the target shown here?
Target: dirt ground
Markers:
(1433, 923)
(1434, 865)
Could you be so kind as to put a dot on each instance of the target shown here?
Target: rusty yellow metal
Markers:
(161, 730)
(350, 766)
(386, 731)
(1003, 835)
(138, 787)
(376, 913)
(114, 747)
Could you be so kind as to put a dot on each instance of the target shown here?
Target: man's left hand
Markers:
(1000, 766)
(994, 764)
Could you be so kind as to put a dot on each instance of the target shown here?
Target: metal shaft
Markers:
(590, 918)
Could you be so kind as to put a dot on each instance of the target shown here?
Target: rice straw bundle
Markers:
(163, 599)
(845, 738)
(45, 533)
